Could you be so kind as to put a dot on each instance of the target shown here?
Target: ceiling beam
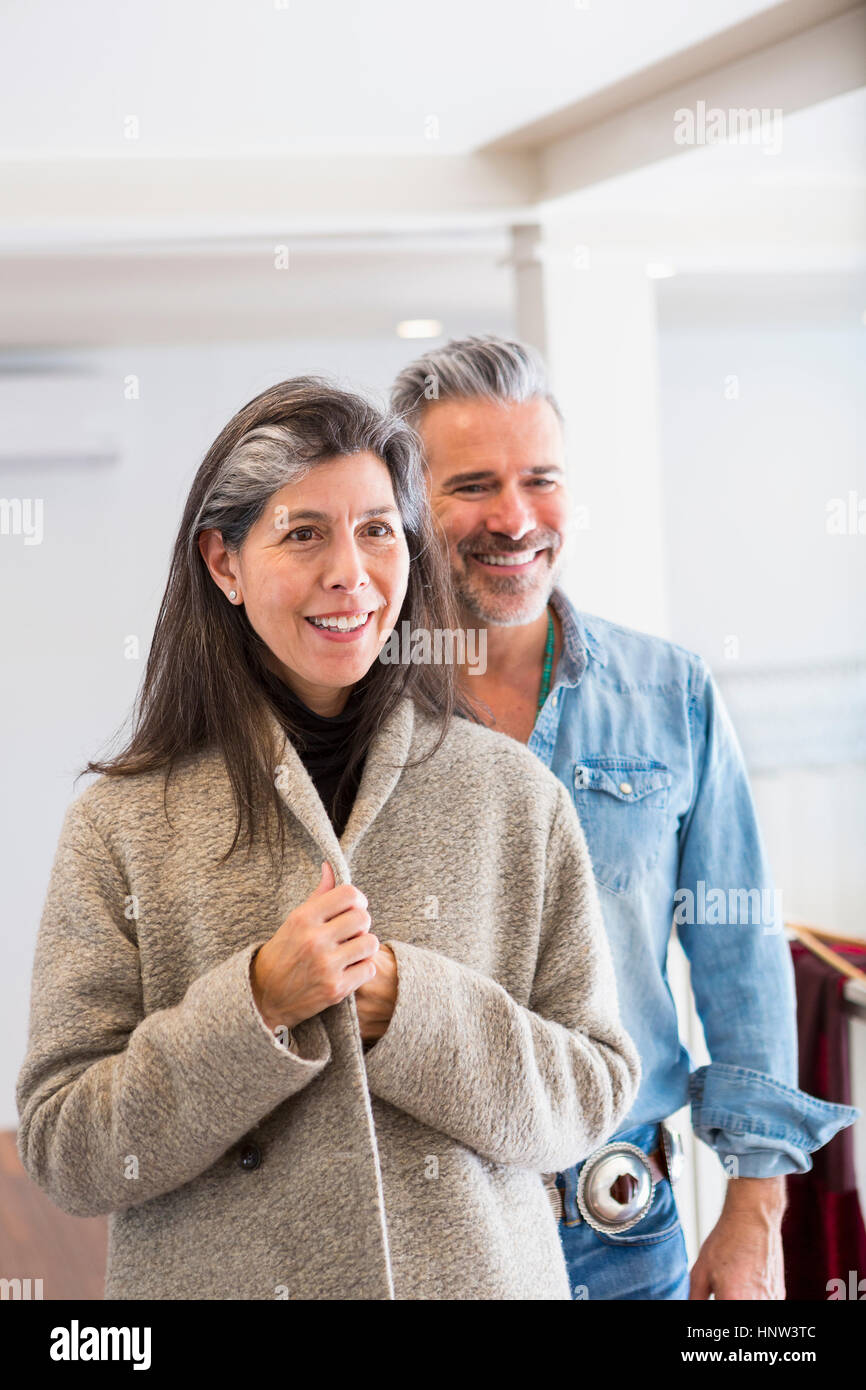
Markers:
(111, 201)
(781, 59)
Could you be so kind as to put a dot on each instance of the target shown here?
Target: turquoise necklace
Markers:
(548, 662)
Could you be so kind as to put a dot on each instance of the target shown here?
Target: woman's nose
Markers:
(345, 568)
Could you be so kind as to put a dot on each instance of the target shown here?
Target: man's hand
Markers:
(742, 1255)
(376, 998)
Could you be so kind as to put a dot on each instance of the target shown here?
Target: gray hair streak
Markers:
(319, 422)
(483, 365)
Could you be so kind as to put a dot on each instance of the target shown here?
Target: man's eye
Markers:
(471, 487)
(300, 533)
(544, 482)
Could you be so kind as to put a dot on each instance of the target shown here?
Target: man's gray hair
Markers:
(484, 365)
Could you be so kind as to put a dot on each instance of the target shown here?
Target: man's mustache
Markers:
(506, 545)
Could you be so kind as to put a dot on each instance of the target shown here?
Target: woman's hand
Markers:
(375, 1000)
(322, 952)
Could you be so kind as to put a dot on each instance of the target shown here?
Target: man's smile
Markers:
(515, 560)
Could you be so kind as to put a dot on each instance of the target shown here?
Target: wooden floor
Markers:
(39, 1241)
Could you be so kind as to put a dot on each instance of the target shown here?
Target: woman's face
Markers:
(323, 575)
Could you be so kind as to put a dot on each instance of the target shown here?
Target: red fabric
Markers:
(823, 1233)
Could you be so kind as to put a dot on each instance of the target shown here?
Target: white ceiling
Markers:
(340, 288)
(263, 78)
(172, 237)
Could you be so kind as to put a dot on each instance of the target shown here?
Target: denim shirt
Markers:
(635, 728)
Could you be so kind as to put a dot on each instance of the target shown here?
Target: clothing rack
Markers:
(816, 941)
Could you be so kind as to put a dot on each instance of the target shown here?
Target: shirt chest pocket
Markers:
(622, 804)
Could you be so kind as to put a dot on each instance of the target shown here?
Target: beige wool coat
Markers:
(233, 1168)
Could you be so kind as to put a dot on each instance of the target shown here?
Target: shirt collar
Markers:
(580, 642)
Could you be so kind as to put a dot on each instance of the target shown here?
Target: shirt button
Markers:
(250, 1157)
(554, 699)
(626, 788)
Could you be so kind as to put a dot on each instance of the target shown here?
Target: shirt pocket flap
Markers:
(626, 783)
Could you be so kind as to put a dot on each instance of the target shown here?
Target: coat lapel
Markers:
(297, 790)
(382, 768)
(385, 758)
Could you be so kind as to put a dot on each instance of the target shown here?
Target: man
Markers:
(635, 728)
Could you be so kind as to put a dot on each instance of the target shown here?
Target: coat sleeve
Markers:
(117, 1107)
(539, 1086)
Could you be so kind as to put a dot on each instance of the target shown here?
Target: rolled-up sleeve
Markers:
(729, 919)
(759, 1127)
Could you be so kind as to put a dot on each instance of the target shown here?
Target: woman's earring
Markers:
(233, 593)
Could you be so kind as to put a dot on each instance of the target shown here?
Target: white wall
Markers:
(748, 478)
(756, 584)
(762, 423)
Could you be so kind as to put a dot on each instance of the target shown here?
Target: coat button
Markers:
(250, 1157)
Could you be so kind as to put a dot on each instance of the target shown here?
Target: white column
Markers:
(591, 311)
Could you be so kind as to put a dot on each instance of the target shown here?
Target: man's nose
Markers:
(511, 515)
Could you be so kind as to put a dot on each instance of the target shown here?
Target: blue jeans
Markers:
(648, 1261)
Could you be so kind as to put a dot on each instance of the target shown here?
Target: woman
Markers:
(331, 1055)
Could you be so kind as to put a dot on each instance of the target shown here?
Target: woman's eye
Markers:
(378, 530)
(382, 528)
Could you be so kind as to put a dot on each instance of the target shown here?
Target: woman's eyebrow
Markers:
(307, 515)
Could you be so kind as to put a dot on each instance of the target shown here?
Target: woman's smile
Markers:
(340, 627)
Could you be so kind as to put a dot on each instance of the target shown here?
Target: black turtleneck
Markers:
(323, 745)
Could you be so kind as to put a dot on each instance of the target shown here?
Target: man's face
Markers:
(497, 488)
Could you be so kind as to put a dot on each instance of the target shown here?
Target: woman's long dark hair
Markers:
(206, 681)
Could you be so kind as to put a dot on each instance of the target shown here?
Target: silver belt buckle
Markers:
(600, 1207)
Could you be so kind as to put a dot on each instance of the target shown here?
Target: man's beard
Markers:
(512, 600)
